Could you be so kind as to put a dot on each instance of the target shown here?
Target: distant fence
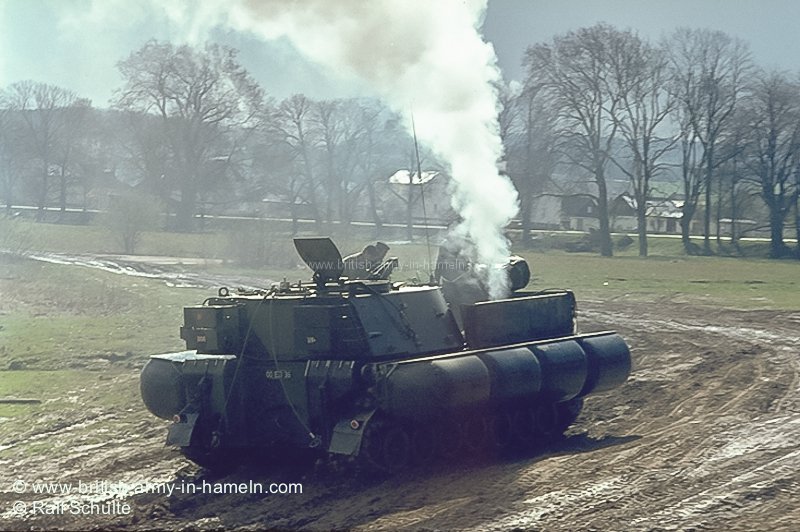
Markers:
(220, 222)
(358, 228)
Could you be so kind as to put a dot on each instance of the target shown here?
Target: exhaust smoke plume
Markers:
(421, 56)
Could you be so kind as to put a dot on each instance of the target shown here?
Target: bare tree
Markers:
(207, 102)
(98, 153)
(773, 131)
(511, 130)
(328, 121)
(575, 69)
(691, 176)
(733, 192)
(797, 211)
(371, 161)
(71, 145)
(709, 70)
(410, 195)
(129, 216)
(508, 118)
(142, 147)
(358, 154)
(290, 125)
(9, 152)
(275, 172)
(528, 129)
(42, 109)
(639, 76)
(327, 155)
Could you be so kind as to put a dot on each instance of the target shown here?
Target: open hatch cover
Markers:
(322, 256)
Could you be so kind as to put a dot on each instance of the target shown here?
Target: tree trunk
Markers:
(707, 214)
(43, 192)
(797, 224)
(685, 235)
(9, 195)
(641, 227)
(719, 212)
(184, 215)
(293, 210)
(734, 214)
(410, 210)
(707, 219)
(373, 207)
(686, 227)
(62, 196)
(312, 192)
(797, 212)
(776, 246)
(332, 194)
(525, 213)
(606, 248)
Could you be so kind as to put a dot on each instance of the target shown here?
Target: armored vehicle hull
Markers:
(381, 373)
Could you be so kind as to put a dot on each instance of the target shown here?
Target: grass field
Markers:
(725, 282)
(748, 282)
(62, 316)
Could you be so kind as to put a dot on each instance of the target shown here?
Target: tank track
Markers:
(395, 445)
(391, 446)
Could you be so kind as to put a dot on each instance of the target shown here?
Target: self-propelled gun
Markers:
(390, 374)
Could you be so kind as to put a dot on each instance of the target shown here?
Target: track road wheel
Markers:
(423, 444)
(568, 412)
(386, 447)
(545, 420)
(206, 447)
(476, 434)
(522, 427)
(450, 438)
(396, 449)
(371, 453)
(218, 461)
(501, 431)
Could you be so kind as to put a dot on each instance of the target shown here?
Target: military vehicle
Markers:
(390, 375)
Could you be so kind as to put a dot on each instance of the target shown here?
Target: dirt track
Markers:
(703, 436)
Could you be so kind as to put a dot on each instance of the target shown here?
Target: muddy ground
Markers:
(704, 435)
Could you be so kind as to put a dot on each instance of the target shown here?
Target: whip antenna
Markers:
(422, 195)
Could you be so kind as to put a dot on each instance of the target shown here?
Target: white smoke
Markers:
(420, 56)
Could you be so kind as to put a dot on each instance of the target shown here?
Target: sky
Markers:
(77, 43)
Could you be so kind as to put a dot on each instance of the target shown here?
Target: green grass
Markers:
(68, 398)
(55, 317)
(46, 386)
(667, 273)
(729, 282)
(26, 235)
(57, 389)
(75, 339)
(658, 245)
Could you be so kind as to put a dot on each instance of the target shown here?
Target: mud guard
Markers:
(348, 433)
(180, 434)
